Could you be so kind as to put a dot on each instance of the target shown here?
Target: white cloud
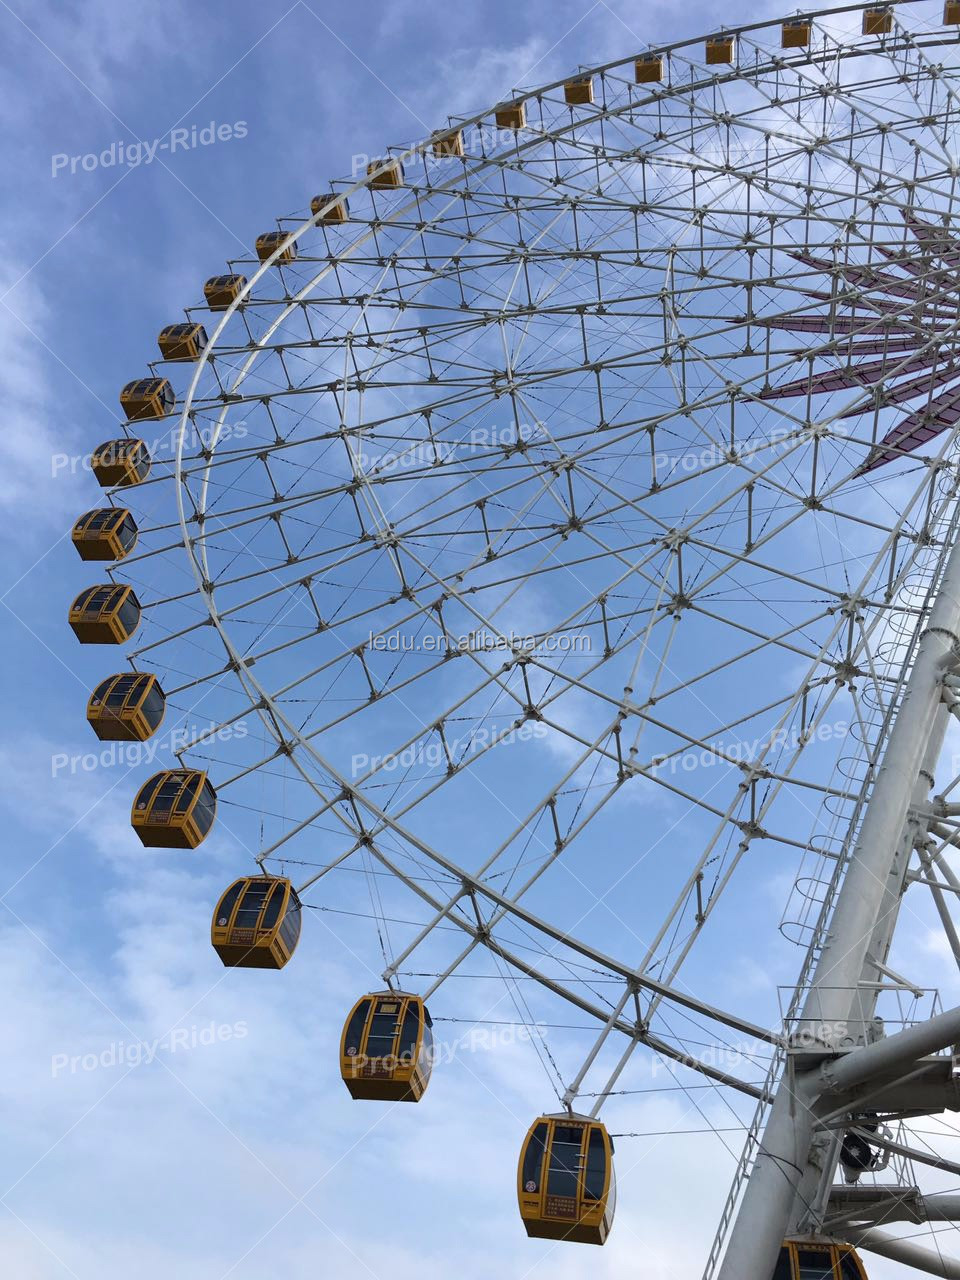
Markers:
(36, 428)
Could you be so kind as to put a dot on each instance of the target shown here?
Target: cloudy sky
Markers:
(233, 1151)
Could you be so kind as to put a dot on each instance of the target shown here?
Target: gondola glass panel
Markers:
(174, 809)
(784, 1267)
(534, 1153)
(256, 924)
(851, 1268)
(353, 1031)
(386, 1047)
(814, 1264)
(566, 1187)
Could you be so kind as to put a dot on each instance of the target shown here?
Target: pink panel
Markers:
(860, 375)
(869, 278)
(945, 281)
(935, 240)
(930, 307)
(914, 387)
(880, 346)
(916, 429)
(839, 324)
(864, 301)
(866, 278)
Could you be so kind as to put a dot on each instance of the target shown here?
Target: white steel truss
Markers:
(622, 441)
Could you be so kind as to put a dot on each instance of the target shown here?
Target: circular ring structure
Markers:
(558, 518)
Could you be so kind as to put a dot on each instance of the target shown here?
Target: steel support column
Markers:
(771, 1206)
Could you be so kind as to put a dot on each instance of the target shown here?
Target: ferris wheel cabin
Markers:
(386, 1050)
(795, 33)
(877, 22)
(579, 91)
(182, 341)
(271, 241)
(106, 533)
(105, 614)
(511, 115)
(383, 173)
(719, 51)
(222, 292)
(147, 398)
(648, 69)
(448, 144)
(256, 924)
(566, 1187)
(338, 211)
(120, 463)
(174, 809)
(126, 708)
(818, 1259)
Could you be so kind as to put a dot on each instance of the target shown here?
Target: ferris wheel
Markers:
(542, 549)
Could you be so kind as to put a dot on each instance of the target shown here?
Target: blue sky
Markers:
(230, 1158)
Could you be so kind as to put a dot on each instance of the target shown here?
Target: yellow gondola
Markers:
(877, 22)
(120, 463)
(386, 1050)
(222, 292)
(795, 33)
(818, 1259)
(108, 613)
(383, 173)
(271, 241)
(951, 13)
(256, 924)
(127, 707)
(449, 143)
(511, 115)
(579, 91)
(174, 809)
(106, 533)
(147, 398)
(648, 69)
(566, 1186)
(337, 212)
(182, 341)
(719, 50)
